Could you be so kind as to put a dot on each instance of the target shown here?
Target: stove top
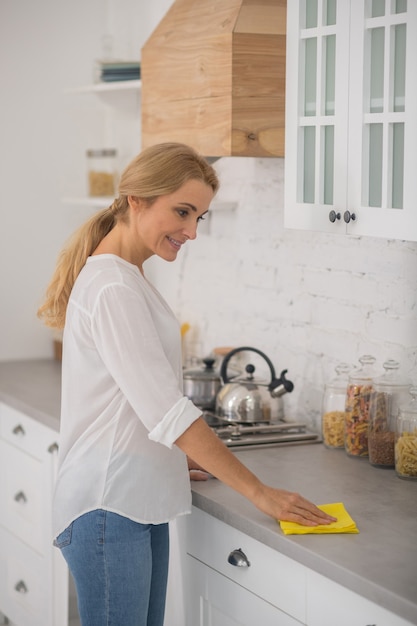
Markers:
(245, 435)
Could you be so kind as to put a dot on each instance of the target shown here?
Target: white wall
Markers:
(46, 47)
(307, 300)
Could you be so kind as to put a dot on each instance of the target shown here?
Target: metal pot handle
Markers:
(223, 368)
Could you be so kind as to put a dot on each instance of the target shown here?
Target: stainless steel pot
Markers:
(202, 384)
(245, 399)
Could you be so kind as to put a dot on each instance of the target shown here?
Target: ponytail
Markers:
(70, 262)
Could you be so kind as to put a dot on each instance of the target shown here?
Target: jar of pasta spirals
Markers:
(358, 395)
(406, 439)
(390, 390)
(333, 413)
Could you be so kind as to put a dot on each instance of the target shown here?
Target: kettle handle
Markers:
(223, 368)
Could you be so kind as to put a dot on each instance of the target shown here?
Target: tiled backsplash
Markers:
(308, 300)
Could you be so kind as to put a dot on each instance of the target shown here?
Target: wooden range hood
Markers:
(213, 76)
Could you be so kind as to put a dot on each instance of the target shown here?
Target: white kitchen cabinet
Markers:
(270, 591)
(351, 128)
(119, 104)
(34, 585)
(273, 590)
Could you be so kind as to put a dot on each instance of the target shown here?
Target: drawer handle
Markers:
(19, 430)
(53, 448)
(238, 558)
(20, 497)
(21, 587)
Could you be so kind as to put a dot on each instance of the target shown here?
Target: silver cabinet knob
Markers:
(18, 430)
(53, 447)
(21, 587)
(20, 497)
(347, 216)
(333, 216)
(238, 558)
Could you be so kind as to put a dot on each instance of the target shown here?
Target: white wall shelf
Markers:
(103, 88)
(95, 202)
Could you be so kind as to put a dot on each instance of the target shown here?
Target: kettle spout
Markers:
(279, 386)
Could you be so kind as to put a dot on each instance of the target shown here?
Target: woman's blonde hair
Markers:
(156, 171)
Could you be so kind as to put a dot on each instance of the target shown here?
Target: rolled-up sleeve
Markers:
(175, 422)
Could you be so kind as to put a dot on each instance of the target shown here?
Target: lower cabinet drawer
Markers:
(25, 587)
(215, 600)
(272, 576)
(26, 433)
(23, 496)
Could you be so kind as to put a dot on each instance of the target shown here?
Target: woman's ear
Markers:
(135, 203)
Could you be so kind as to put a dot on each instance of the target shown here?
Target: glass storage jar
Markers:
(333, 413)
(101, 166)
(406, 439)
(358, 396)
(390, 390)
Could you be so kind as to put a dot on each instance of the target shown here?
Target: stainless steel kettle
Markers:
(244, 399)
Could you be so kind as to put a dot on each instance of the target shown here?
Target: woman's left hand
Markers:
(196, 471)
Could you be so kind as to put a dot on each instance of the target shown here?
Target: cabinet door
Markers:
(316, 129)
(382, 119)
(328, 603)
(351, 128)
(214, 600)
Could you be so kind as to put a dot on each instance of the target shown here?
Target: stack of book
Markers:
(111, 71)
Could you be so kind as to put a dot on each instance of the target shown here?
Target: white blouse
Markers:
(122, 404)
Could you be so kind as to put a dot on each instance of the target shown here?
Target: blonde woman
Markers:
(126, 427)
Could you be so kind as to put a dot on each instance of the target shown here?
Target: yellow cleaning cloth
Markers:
(344, 524)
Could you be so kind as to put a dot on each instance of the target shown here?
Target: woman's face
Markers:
(171, 220)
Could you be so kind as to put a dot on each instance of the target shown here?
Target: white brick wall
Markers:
(308, 300)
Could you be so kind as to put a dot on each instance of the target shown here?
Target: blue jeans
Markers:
(119, 567)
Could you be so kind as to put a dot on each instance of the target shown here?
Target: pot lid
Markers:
(203, 373)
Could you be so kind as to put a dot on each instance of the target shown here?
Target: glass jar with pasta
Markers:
(333, 413)
(390, 390)
(358, 395)
(102, 172)
(406, 439)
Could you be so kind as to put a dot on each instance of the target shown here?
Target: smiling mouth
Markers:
(175, 243)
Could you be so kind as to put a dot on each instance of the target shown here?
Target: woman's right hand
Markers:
(289, 506)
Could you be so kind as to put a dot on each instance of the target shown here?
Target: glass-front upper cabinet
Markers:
(351, 117)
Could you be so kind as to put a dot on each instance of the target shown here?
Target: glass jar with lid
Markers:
(358, 395)
(333, 413)
(102, 176)
(406, 438)
(390, 390)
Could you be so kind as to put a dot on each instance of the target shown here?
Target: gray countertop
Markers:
(380, 563)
